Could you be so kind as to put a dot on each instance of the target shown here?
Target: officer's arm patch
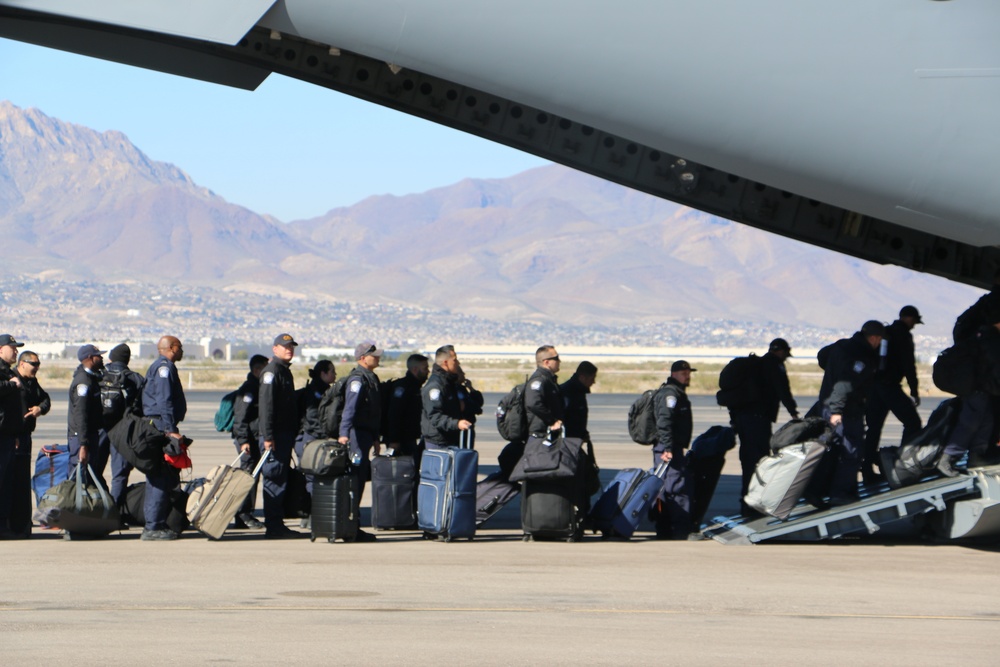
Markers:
(163, 372)
(671, 402)
(398, 393)
(434, 394)
(536, 385)
(248, 398)
(267, 378)
(355, 386)
(81, 389)
(859, 366)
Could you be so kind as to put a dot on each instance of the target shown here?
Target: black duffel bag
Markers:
(138, 440)
(553, 457)
(798, 431)
(325, 458)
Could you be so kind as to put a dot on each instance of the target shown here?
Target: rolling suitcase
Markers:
(335, 512)
(394, 493)
(446, 495)
(492, 494)
(212, 506)
(781, 478)
(626, 501)
(549, 510)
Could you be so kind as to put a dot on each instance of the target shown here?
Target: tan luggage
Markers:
(212, 506)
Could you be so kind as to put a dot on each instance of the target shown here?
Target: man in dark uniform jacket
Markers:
(674, 425)
(849, 367)
(278, 419)
(36, 403)
(164, 402)
(246, 436)
(543, 402)
(86, 414)
(752, 422)
(132, 384)
(442, 420)
(362, 417)
(896, 363)
(406, 408)
(11, 423)
(574, 393)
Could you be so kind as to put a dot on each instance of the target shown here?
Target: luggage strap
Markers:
(105, 499)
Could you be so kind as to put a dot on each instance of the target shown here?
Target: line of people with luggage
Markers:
(432, 407)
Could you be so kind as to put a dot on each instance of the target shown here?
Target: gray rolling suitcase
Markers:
(781, 478)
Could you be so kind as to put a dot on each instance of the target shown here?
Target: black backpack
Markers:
(113, 397)
(331, 407)
(955, 368)
(738, 383)
(512, 418)
(641, 419)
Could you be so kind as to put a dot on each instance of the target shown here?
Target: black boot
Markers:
(946, 467)
(984, 455)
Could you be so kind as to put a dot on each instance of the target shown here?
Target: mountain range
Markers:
(550, 244)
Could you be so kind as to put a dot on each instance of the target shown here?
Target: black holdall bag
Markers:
(642, 419)
(956, 369)
(797, 431)
(324, 458)
(551, 458)
(737, 383)
(139, 441)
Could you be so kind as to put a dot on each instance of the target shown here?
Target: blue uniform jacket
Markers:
(163, 396)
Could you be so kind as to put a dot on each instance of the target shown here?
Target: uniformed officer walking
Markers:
(86, 414)
(278, 418)
(11, 423)
(887, 395)
(246, 436)
(164, 402)
(849, 367)
(362, 417)
(674, 424)
(442, 421)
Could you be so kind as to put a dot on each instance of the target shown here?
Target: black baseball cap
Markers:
(88, 350)
(780, 344)
(681, 365)
(911, 311)
(7, 339)
(285, 340)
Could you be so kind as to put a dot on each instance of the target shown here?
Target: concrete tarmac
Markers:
(494, 600)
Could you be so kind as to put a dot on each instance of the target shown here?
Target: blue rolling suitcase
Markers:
(51, 468)
(446, 496)
(626, 501)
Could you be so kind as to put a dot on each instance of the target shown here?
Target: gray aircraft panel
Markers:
(883, 108)
(222, 21)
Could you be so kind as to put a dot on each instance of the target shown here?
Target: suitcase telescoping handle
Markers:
(260, 464)
(465, 438)
(661, 470)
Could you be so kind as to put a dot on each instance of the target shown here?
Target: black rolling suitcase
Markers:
(549, 510)
(335, 507)
(492, 493)
(394, 493)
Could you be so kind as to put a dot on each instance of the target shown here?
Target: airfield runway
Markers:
(495, 600)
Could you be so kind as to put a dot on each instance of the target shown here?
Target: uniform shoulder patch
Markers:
(671, 402)
(398, 392)
(163, 372)
(267, 378)
(82, 389)
(355, 386)
(248, 398)
(859, 366)
(434, 394)
(536, 385)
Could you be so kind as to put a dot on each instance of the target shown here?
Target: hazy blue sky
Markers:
(289, 149)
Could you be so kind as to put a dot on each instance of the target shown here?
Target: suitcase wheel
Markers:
(312, 538)
(527, 538)
(331, 539)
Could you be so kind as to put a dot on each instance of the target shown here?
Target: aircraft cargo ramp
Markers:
(967, 506)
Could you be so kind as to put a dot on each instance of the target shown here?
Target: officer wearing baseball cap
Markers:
(86, 414)
(11, 420)
(897, 361)
(674, 424)
(278, 421)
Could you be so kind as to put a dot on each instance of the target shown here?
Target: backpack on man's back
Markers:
(738, 386)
